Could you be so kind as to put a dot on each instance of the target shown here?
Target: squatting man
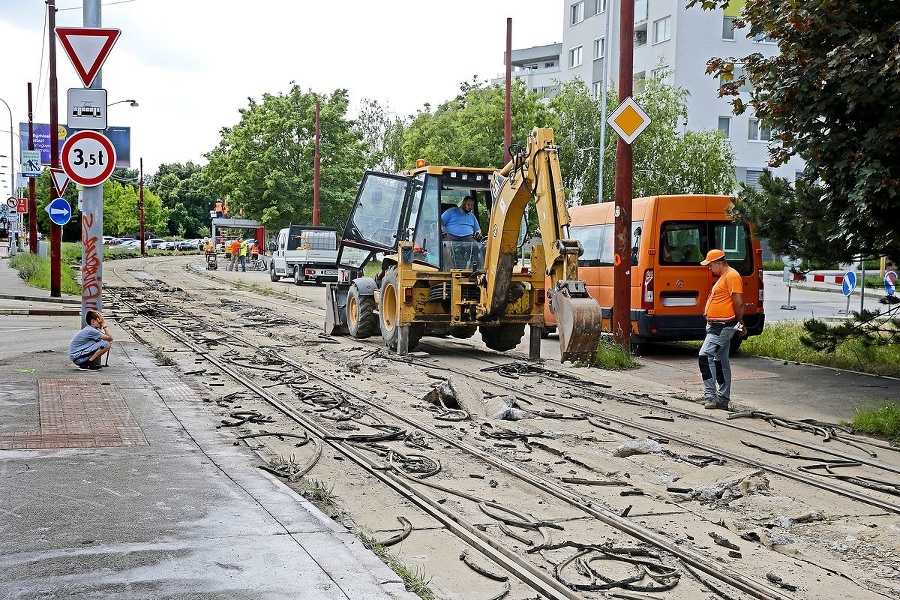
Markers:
(91, 343)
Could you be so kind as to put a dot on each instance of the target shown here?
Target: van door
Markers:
(280, 248)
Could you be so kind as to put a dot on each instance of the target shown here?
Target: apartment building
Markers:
(667, 36)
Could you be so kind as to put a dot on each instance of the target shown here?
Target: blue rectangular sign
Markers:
(119, 136)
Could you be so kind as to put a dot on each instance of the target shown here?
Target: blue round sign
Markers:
(849, 283)
(59, 210)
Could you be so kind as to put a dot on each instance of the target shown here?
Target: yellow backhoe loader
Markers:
(434, 283)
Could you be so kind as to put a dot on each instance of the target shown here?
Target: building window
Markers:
(577, 12)
(662, 73)
(727, 28)
(662, 30)
(599, 6)
(752, 178)
(746, 87)
(596, 90)
(758, 131)
(725, 126)
(599, 48)
(549, 65)
(575, 57)
(763, 38)
(640, 37)
(641, 10)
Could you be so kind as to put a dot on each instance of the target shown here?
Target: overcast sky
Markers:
(191, 64)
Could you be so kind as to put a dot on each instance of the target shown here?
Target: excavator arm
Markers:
(534, 173)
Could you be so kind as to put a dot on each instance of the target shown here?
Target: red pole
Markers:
(316, 180)
(141, 203)
(507, 114)
(55, 230)
(32, 199)
(621, 314)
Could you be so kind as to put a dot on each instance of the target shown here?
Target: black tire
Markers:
(463, 332)
(299, 277)
(504, 337)
(735, 345)
(389, 313)
(272, 275)
(362, 320)
(546, 331)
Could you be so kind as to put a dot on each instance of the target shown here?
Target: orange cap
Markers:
(712, 256)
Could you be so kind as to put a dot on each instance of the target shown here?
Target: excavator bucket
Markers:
(579, 324)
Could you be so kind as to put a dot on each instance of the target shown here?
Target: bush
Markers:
(36, 271)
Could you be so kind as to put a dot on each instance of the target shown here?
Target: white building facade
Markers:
(671, 37)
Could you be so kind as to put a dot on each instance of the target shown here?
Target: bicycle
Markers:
(257, 264)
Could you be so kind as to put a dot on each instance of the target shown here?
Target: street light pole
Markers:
(12, 175)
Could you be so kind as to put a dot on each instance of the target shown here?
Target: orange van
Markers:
(670, 235)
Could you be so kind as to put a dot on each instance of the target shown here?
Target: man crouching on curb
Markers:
(90, 343)
(724, 313)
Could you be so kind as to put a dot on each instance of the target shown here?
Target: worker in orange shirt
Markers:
(235, 249)
(724, 314)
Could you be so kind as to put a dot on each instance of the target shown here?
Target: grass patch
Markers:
(319, 494)
(413, 579)
(36, 271)
(163, 358)
(782, 340)
(613, 356)
(884, 420)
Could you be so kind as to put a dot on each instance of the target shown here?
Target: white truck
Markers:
(306, 253)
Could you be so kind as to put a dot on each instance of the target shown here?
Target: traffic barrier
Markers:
(838, 279)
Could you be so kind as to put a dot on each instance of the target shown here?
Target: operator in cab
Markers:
(460, 222)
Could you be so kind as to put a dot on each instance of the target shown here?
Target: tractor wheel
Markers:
(361, 318)
(463, 332)
(504, 337)
(389, 313)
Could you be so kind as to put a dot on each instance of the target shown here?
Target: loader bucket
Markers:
(578, 323)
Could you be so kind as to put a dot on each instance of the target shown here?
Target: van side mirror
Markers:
(272, 246)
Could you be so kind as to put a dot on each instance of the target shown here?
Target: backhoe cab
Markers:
(433, 286)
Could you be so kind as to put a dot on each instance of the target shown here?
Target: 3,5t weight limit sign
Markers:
(88, 158)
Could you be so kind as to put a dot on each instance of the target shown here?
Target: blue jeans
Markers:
(243, 262)
(714, 365)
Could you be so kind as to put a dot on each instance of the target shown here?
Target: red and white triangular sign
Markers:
(87, 48)
(60, 180)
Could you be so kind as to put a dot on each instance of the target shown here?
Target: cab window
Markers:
(376, 215)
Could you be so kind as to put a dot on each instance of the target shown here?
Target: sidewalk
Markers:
(114, 485)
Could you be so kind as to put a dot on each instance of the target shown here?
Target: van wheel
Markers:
(272, 274)
(735, 345)
(637, 345)
(362, 321)
(299, 277)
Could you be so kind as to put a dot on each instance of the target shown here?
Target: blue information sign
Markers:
(849, 283)
(59, 210)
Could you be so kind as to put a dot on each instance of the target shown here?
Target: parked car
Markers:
(130, 244)
(154, 244)
(168, 245)
(187, 245)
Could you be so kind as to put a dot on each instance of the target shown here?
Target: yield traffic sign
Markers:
(629, 120)
(60, 180)
(87, 48)
(59, 210)
(88, 157)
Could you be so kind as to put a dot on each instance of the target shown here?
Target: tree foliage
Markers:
(831, 97)
(186, 192)
(264, 164)
(468, 130)
(383, 132)
(666, 161)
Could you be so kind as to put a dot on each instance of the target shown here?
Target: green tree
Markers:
(264, 164)
(468, 130)
(185, 191)
(383, 131)
(665, 161)
(830, 96)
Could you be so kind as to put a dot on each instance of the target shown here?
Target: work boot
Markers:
(715, 404)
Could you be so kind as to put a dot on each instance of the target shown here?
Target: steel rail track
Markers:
(468, 533)
(851, 494)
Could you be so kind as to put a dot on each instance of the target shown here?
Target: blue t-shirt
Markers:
(459, 223)
(84, 342)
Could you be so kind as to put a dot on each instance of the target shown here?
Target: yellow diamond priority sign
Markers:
(629, 120)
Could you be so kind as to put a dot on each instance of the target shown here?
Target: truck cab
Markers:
(306, 253)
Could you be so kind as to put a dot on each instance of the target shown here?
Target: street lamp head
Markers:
(132, 102)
